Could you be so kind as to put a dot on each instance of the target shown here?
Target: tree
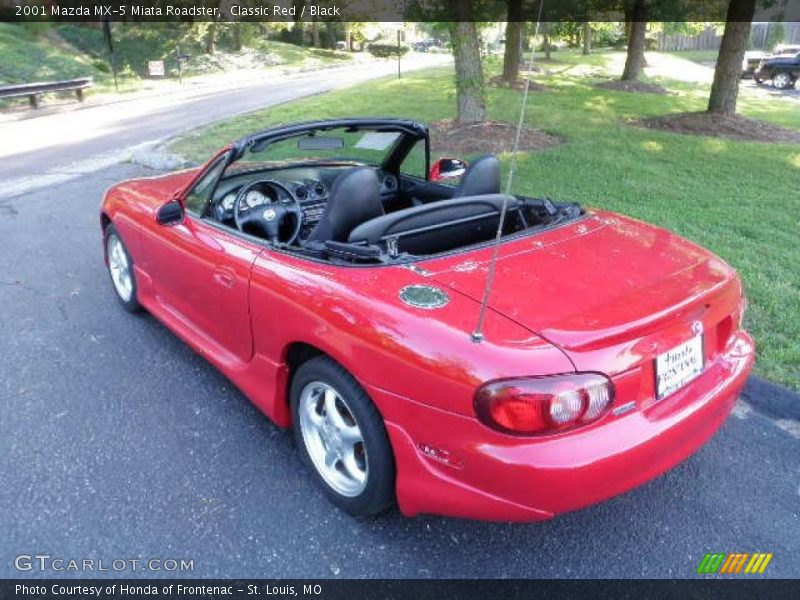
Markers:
(237, 36)
(725, 89)
(511, 57)
(545, 27)
(211, 37)
(587, 37)
(470, 94)
(636, 21)
(315, 32)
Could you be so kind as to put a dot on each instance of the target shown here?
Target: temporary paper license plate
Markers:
(677, 367)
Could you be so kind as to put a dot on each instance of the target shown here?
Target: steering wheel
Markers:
(269, 217)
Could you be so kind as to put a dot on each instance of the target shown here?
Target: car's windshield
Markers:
(330, 145)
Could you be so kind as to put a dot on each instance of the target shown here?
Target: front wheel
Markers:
(341, 436)
(120, 268)
(782, 81)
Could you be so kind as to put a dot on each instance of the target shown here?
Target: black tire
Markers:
(379, 489)
(131, 304)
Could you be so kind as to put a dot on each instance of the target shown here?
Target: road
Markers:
(117, 441)
(56, 147)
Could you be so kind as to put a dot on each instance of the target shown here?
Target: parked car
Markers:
(427, 45)
(337, 277)
(783, 69)
(753, 58)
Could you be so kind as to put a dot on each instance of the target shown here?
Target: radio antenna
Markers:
(477, 335)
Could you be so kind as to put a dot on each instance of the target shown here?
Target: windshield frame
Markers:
(410, 133)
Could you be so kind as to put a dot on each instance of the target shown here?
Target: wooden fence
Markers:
(706, 40)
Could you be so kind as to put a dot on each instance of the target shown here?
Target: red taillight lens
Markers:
(537, 405)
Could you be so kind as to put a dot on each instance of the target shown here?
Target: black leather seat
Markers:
(355, 197)
(437, 226)
(481, 177)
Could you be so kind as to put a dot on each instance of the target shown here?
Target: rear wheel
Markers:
(342, 438)
(782, 81)
(120, 269)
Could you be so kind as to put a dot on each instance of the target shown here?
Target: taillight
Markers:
(536, 405)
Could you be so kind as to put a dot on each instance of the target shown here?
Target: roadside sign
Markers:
(156, 68)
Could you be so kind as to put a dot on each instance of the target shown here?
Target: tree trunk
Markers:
(637, 19)
(315, 32)
(237, 36)
(348, 37)
(513, 41)
(470, 100)
(211, 39)
(725, 89)
(545, 29)
(587, 38)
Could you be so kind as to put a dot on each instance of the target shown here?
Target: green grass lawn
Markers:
(739, 199)
(26, 56)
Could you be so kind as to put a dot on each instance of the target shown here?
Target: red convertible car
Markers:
(325, 271)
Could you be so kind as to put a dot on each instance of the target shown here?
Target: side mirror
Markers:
(170, 213)
(447, 168)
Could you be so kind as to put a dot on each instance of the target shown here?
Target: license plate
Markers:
(677, 367)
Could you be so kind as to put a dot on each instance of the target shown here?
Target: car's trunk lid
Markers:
(594, 283)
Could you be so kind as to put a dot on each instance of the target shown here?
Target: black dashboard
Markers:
(310, 186)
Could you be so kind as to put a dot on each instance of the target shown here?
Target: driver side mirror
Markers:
(446, 169)
(170, 213)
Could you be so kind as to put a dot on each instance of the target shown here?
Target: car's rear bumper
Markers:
(452, 465)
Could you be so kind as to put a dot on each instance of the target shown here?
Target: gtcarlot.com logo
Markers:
(735, 563)
(46, 562)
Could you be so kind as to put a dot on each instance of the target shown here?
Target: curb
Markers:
(771, 398)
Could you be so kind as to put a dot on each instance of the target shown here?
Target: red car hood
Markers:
(603, 279)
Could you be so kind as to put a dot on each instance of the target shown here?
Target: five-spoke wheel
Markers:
(782, 81)
(333, 439)
(120, 268)
(341, 436)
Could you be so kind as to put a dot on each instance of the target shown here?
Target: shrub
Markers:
(101, 65)
(386, 50)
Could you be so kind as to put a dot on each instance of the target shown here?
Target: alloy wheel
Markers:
(781, 81)
(333, 439)
(119, 267)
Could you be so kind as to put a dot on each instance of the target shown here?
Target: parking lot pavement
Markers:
(765, 90)
(117, 441)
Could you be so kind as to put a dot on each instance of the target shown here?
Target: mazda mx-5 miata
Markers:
(336, 276)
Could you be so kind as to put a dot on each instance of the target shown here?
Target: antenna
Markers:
(477, 335)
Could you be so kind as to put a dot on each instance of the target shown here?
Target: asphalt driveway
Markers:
(117, 441)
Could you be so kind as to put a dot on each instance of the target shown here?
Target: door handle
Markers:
(225, 277)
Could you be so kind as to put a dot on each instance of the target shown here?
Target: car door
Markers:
(201, 274)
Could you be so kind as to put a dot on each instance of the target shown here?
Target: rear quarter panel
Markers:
(355, 315)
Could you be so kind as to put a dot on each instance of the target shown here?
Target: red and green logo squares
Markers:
(732, 564)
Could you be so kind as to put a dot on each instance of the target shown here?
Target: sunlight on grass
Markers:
(600, 103)
(715, 146)
(652, 146)
(736, 198)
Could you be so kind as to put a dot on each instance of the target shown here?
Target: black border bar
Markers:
(718, 588)
(377, 10)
